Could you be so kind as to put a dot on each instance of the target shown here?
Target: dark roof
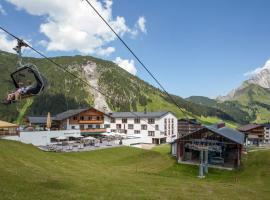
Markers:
(248, 127)
(267, 125)
(138, 114)
(39, 120)
(58, 117)
(69, 113)
(228, 133)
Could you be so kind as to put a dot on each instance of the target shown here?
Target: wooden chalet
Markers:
(88, 121)
(222, 145)
(254, 133)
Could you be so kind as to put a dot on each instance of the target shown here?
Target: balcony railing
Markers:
(91, 122)
(93, 130)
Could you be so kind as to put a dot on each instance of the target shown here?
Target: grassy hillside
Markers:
(126, 92)
(123, 173)
(202, 100)
(256, 101)
(237, 109)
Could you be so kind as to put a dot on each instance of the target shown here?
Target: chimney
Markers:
(221, 125)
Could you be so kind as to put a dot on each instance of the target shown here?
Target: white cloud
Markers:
(73, 25)
(126, 64)
(105, 51)
(2, 11)
(141, 24)
(259, 69)
(6, 44)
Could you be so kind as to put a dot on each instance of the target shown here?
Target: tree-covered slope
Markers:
(202, 100)
(123, 91)
(250, 103)
(256, 100)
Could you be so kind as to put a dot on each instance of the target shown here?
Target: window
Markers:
(97, 126)
(144, 127)
(137, 132)
(151, 133)
(90, 126)
(107, 126)
(118, 126)
(98, 117)
(151, 121)
(82, 127)
(89, 118)
(113, 130)
(94, 118)
(82, 118)
(137, 120)
(156, 127)
(112, 120)
(75, 118)
(124, 120)
(130, 126)
(72, 127)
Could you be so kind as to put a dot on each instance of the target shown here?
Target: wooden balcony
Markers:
(91, 122)
(94, 130)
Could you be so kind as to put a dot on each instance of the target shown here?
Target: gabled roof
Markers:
(249, 127)
(69, 113)
(228, 133)
(39, 120)
(58, 117)
(139, 114)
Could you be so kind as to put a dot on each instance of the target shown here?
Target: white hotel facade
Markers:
(144, 127)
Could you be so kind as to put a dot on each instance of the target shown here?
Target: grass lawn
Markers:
(123, 173)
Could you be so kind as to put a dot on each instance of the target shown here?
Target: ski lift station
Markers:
(215, 146)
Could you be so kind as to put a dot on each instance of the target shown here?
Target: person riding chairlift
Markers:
(15, 96)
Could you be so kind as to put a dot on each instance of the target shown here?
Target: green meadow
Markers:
(123, 173)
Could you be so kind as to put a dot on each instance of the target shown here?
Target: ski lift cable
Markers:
(67, 71)
(139, 60)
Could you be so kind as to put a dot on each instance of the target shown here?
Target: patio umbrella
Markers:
(76, 136)
(61, 138)
(122, 134)
(89, 138)
(49, 121)
(108, 134)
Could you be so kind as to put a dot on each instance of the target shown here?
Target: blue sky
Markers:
(194, 47)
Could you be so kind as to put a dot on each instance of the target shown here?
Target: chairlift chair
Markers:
(27, 76)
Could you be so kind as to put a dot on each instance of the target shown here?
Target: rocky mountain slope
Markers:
(122, 91)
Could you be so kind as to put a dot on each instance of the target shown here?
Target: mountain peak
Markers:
(260, 76)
